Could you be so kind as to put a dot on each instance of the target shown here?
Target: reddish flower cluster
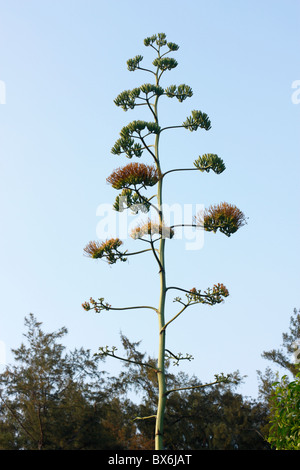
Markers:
(133, 174)
(225, 217)
(107, 249)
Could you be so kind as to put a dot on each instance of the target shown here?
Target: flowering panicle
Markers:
(127, 99)
(97, 306)
(107, 249)
(181, 92)
(133, 174)
(152, 228)
(196, 120)
(160, 40)
(126, 143)
(210, 296)
(209, 162)
(129, 199)
(225, 217)
(134, 63)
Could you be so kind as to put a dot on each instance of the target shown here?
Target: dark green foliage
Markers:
(54, 400)
(208, 418)
(283, 395)
(284, 357)
(284, 431)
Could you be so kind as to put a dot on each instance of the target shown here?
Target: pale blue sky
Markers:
(63, 62)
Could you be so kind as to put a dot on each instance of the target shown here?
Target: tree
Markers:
(52, 400)
(284, 432)
(283, 395)
(135, 178)
(286, 357)
(213, 417)
(290, 343)
(80, 409)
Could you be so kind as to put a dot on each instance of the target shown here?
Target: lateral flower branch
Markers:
(135, 180)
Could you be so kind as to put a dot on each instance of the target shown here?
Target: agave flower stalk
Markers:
(135, 178)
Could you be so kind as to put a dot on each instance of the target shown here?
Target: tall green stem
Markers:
(161, 349)
(161, 308)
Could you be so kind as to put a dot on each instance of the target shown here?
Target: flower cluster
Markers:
(107, 249)
(126, 144)
(225, 217)
(133, 174)
(161, 40)
(209, 162)
(134, 63)
(181, 92)
(131, 199)
(97, 306)
(196, 120)
(127, 99)
(165, 63)
(210, 296)
(152, 228)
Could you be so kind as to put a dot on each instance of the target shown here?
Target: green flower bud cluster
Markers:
(150, 88)
(178, 357)
(160, 40)
(209, 162)
(138, 126)
(134, 63)
(126, 143)
(129, 199)
(127, 99)
(198, 119)
(165, 63)
(128, 146)
(181, 92)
